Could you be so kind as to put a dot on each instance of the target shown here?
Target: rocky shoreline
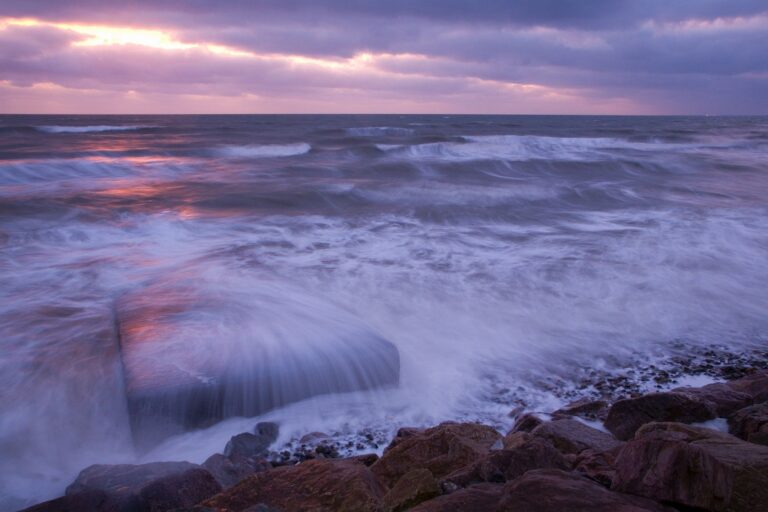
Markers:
(626, 442)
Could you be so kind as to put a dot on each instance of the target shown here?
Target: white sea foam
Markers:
(86, 129)
(529, 147)
(264, 150)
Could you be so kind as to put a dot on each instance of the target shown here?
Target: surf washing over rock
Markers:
(170, 283)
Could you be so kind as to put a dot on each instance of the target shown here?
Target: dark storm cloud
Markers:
(670, 55)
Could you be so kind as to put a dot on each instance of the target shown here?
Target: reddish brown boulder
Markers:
(472, 499)
(573, 436)
(413, 488)
(721, 395)
(442, 450)
(694, 467)
(502, 465)
(319, 484)
(755, 385)
(551, 490)
(750, 423)
(599, 466)
(626, 416)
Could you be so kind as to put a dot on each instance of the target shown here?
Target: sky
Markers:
(387, 56)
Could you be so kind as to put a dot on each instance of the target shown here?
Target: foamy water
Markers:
(493, 252)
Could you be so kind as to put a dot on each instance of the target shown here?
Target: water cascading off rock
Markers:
(200, 347)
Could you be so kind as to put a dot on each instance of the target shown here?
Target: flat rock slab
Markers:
(694, 467)
(200, 348)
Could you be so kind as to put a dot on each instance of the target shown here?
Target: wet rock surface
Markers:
(342, 485)
(626, 416)
(694, 467)
(442, 450)
(750, 423)
(555, 491)
(572, 436)
(128, 488)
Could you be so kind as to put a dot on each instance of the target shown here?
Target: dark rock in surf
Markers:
(626, 416)
(229, 471)
(694, 467)
(526, 423)
(248, 445)
(551, 490)
(198, 352)
(153, 486)
(442, 450)
(750, 423)
(322, 484)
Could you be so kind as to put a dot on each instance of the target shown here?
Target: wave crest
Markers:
(264, 151)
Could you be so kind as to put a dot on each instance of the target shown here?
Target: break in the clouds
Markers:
(528, 56)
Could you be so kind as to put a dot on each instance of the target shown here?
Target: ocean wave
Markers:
(87, 129)
(530, 147)
(264, 151)
(374, 131)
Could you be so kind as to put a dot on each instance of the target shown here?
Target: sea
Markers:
(503, 256)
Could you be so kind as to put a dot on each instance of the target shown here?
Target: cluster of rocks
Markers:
(653, 452)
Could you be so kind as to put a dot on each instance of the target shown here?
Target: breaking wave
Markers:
(264, 151)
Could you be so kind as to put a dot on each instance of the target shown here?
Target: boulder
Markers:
(320, 484)
(755, 385)
(228, 471)
(626, 416)
(154, 486)
(750, 423)
(472, 499)
(503, 465)
(573, 436)
(252, 445)
(178, 490)
(412, 488)
(599, 466)
(551, 490)
(721, 395)
(694, 467)
(442, 450)
(199, 345)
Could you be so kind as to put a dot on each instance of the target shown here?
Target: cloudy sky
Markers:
(447, 56)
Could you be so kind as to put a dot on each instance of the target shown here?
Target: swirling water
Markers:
(490, 250)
